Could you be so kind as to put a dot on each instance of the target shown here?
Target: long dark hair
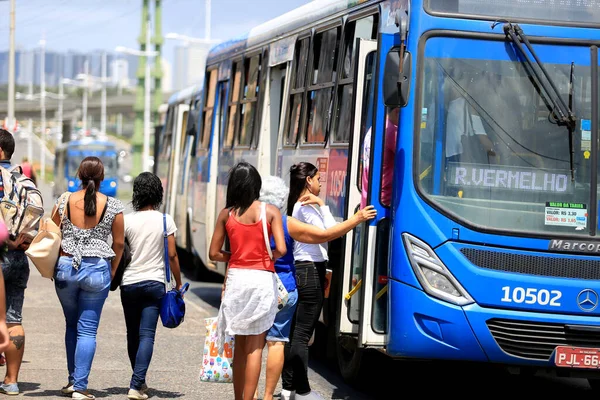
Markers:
(243, 187)
(91, 173)
(147, 191)
(298, 174)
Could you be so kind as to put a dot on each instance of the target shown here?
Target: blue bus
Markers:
(68, 157)
(475, 125)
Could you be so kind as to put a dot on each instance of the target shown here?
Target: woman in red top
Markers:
(249, 302)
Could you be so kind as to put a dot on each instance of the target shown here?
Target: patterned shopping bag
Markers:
(216, 367)
(282, 294)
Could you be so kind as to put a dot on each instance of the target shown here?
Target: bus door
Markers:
(178, 138)
(277, 81)
(218, 171)
(183, 212)
(358, 252)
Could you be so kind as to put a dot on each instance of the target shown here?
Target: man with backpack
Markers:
(21, 208)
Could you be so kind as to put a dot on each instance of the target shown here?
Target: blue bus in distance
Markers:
(69, 156)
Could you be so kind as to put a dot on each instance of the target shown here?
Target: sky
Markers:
(85, 25)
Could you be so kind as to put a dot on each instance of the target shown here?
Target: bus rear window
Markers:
(568, 11)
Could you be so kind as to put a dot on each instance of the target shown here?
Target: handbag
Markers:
(44, 249)
(172, 306)
(216, 367)
(282, 293)
(124, 263)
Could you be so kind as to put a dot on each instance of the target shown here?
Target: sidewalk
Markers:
(173, 373)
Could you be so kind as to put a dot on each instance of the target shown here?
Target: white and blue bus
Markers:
(486, 248)
(173, 157)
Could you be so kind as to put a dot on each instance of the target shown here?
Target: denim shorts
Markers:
(280, 331)
(15, 268)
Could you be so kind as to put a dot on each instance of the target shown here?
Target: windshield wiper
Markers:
(563, 113)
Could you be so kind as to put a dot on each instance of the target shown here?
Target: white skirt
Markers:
(249, 304)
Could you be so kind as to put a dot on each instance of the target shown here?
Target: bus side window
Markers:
(165, 143)
(233, 104)
(365, 28)
(249, 100)
(295, 109)
(209, 105)
(323, 77)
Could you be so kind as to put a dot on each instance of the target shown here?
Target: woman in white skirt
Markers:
(249, 302)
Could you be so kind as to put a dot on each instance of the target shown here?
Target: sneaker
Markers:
(136, 395)
(11, 389)
(312, 395)
(67, 390)
(287, 394)
(82, 395)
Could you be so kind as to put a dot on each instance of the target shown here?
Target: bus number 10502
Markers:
(542, 297)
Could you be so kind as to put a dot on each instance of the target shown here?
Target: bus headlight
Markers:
(113, 184)
(433, 275)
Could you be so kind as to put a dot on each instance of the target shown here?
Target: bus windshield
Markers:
(570, 11)
(491, 152)
(109, 159)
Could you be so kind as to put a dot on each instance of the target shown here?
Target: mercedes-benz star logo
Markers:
(587, 300)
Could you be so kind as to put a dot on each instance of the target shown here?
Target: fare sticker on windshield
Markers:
(566, 214)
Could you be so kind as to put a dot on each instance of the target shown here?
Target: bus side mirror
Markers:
(396, 78)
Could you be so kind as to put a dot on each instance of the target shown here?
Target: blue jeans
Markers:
(15, 268)
(280, 331)
(141, 306)
(82, 293)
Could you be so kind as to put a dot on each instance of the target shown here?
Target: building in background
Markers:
(119, 72)
(66, 65)
(188, 68)
(167, 79)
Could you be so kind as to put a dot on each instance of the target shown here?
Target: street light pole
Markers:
(207, 21)
(85, 96)
(61, 95)
(103, 108)
(11, 67)
(30, 129)
(43, 105)
(146, 148)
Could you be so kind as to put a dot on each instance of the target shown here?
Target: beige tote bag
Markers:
(45, 247)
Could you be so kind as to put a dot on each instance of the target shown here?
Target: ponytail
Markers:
(298, 174)
(89, 200)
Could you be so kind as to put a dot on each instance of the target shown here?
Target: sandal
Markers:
(82, 395)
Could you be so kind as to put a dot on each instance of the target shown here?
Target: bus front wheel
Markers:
(349, 357)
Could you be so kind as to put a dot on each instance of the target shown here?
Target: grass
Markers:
(49, 172)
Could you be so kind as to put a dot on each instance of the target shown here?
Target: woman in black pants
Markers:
(311, 263)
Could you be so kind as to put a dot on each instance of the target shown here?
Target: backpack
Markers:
(22, 206)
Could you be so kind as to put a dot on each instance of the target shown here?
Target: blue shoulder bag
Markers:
(172, 307)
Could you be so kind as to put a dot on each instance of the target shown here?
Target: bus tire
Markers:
(349, 357)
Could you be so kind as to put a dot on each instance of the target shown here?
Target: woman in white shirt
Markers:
(310, 261)
(143, 283)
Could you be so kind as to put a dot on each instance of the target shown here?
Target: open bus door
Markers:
(178, 138)
(216, 144)
(359, 251)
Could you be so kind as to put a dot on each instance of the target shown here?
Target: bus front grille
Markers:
(564, 267)
(537, 340)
